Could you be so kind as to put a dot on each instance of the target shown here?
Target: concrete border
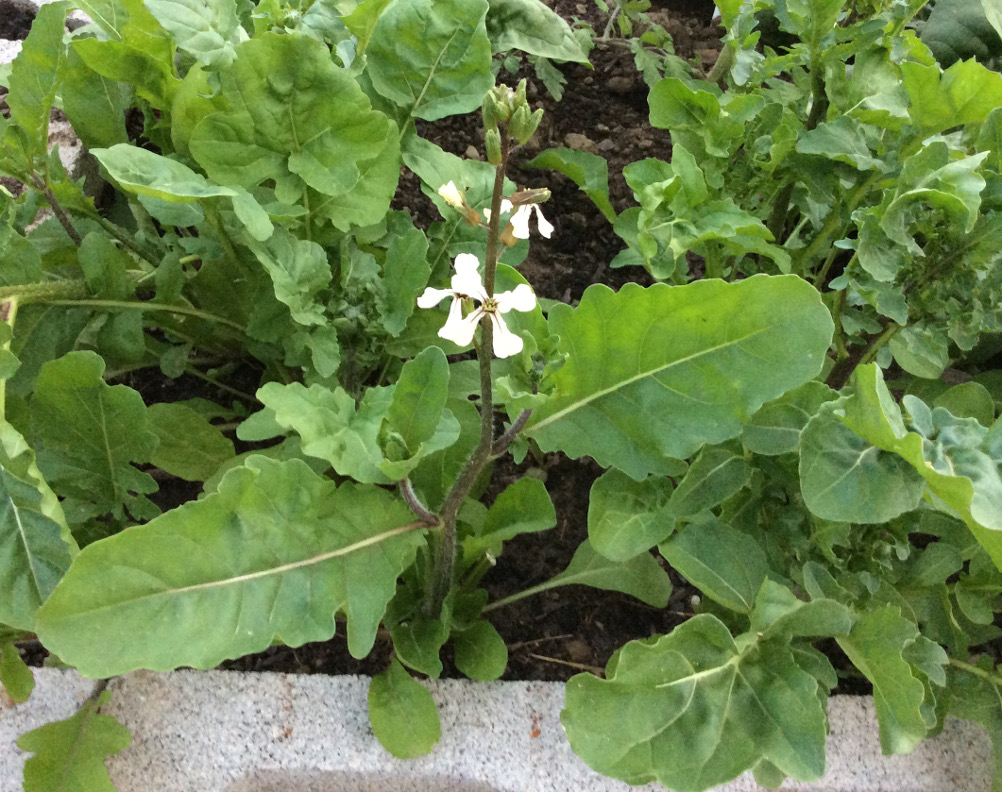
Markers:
(220, 731)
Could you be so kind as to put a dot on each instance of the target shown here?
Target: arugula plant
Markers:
(247, 228)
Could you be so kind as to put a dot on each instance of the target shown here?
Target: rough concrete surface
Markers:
(215, 731)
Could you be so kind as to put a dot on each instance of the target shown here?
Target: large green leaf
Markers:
(419, 398)
(299, 271)
(294, 118)
(69, 754)
(961, 29)
(627, 517)
(432, 57)
(35, 543)
(692, 710)
(776, 428)
(94, 104)
(208, 29)
(530, 26)
(92, 435)
(275, 552)
(876, 646)
(716, 474)
(402, 713)
(405, 273)
(657, 372)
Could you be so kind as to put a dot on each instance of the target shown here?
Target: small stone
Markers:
(579, 142)
(601, 127)
(472, 153)
(620, 85)
(606, 145)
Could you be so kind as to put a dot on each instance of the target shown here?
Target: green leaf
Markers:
(283, 115)
(875, 647)
(665, 369)
(207, 29)
(418, 642)
(532, 27)
(35, 74)
(648, 720)
(69, 754)
(432, 57)
(775, 429)
(847, 479)
(92, 434)
(190, 447)
(590, 172)
(968, 400)
(299, 271)
(523, 507)
(481, 652)
(419, 398)
(331, 427)
(962, 29)
(627, 517)
(35, 543)
(810, 20)
(715, 475)
(93, 104)
(963, 94)
(405, 274)
(275, 552)
(722, 562)
(980, 700)
(15, 676)
(402, 713)
(362, 21)
(641, 577)
(778, 613)
(841, 140)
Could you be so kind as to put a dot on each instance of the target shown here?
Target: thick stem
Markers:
(858, 355)
(505, 440)
(412, 500)
(988, 676)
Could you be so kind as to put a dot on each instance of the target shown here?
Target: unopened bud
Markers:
(489, 110)
(492, 142)
(532, 126)
(519, 100)
(519, 123)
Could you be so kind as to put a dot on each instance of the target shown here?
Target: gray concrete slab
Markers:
(232, 732)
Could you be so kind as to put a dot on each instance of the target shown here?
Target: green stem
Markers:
(212, 381)
(532, 590)
(880, 340)
(988, 676)
(27, 293)
(215, 221)
(445, 562)
(834, 220)
(713, 260)
(150, 306)
(57, 209)
(723, 65)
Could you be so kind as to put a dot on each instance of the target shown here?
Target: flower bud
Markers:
(490, 111)
(519, 100)
(520, 123)
(492, 142)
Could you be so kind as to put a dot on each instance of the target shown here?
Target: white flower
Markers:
(520, 222)
(467, 285)
(452, 196)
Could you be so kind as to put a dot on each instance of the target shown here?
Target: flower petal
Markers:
(505, 207)
(452, 195)
(520, 299)
(467, 280)
(544, 226)
(520, 222)
(506, 343)
(432, 297)
(457, 329)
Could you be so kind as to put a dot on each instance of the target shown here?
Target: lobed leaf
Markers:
(590, 172)
(274, 553)
(532, 27)
(207, 29)
(69, 754)
(190, 447)
(641, 576)
(91, 436)
(657, 372)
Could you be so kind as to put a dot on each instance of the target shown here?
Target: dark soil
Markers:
(603, 110)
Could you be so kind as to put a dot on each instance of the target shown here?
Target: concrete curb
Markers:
(218, 731)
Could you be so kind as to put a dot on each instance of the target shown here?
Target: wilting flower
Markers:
(520, 220)
(467, 285)
(452, 196)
